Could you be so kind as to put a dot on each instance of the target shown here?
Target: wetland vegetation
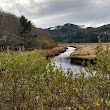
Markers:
(29, 82)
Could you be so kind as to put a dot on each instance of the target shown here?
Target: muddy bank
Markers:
(53, 52)
(84, 53)
(81, 61)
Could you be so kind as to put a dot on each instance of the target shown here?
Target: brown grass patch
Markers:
(52, 52)
(85, 50)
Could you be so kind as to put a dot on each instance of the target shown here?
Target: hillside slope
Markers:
(44, 39)
(11, 34)
(70, 33)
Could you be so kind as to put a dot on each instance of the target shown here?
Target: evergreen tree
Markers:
(25, 24)
(26, 27)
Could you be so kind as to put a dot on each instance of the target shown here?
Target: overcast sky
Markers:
(46, 13)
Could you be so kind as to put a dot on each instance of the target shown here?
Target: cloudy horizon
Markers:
(48, 13)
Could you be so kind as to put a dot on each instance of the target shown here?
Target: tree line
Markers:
(71, 33)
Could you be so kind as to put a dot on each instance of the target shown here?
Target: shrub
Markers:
(29, 82)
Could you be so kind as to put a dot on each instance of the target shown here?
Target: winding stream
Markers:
(62, 61)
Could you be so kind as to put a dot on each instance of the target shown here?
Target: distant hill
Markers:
(15, 34)
(70, 33)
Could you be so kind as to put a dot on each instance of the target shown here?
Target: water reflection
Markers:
(62, 61)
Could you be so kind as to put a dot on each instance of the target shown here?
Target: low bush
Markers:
(29, 82)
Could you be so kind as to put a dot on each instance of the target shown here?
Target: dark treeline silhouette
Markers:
(71, 33)
(18, 32)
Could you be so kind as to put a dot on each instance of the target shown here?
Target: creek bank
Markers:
(84, 53)
(53, 52)
(82, 61)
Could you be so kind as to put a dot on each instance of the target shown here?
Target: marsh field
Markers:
(84, 50)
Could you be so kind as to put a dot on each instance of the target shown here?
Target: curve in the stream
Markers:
(63, 60)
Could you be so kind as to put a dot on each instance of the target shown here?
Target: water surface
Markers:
(62, 61)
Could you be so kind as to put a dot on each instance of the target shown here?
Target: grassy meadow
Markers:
(85, 50)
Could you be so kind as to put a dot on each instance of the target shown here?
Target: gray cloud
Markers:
(45, 13)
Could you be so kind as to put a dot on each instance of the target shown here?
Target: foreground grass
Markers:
(29, 82)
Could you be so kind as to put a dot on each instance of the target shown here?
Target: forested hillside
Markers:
(71, 33)
(18, 32)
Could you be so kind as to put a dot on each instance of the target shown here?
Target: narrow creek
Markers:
(63, 60)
